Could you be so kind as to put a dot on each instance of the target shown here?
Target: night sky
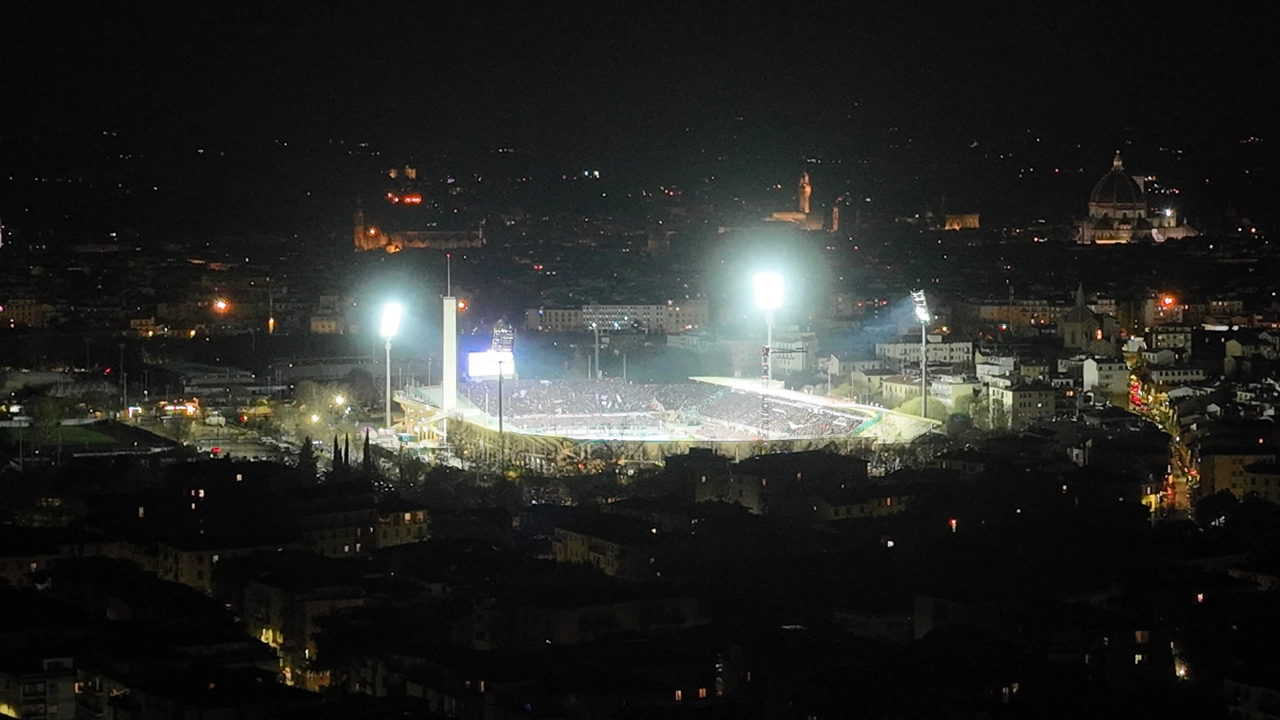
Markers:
(927, 101)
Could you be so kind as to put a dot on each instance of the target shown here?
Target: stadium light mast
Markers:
(922, 314)
(499, 398)
(502, 437)
(390, 325)
(124, 385)
(768, 292)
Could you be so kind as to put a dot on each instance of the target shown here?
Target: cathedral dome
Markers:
(1116, 189)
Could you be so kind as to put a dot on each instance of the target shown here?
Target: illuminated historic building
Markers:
(408, 219)
(1118, 213)
(372, 237)
(966, 221)
(803, 192)
(802, 216)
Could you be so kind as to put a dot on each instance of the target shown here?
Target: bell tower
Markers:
(358, 228)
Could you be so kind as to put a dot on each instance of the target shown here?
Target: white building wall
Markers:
(670, 317)
(1173, 376)
(954, 353)
(1111, 378)
(1014, 408)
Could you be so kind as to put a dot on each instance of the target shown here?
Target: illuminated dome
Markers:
(1118, 213)
(1119, 191)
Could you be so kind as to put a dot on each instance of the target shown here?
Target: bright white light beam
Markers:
(921, 306)
(768, 290)
(391, 314)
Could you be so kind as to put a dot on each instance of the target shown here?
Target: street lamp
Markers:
(922, 314)
(768, 292)
(391, 313)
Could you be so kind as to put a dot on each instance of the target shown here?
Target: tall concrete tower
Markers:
(449, 347)
(449, 361)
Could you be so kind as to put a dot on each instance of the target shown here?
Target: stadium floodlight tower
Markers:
(390, 325)
(922, 314)
(768, 292)
(449, 343)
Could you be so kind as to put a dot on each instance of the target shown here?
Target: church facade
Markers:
(1084, 330)
(371, 237)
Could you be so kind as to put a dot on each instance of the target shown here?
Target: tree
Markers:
(411, 470)
(964, 404)
(937, 408)
(958, 425)
(307, 457)
(366, 460)
(46, 415)
(361, 388)
(182, 426)
(1216, 507)
(308, 394)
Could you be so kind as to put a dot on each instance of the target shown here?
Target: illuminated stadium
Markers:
(581, 425)
(586, 425)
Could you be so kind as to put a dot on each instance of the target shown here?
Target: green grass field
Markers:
(72, 436)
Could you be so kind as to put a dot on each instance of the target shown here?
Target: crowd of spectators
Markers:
(570, 397)
(615, 408)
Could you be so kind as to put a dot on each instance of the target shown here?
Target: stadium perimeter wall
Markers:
(570, 456)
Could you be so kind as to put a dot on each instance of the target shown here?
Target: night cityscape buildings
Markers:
(475, 361)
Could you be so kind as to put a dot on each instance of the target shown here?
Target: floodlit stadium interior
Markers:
(568, 426)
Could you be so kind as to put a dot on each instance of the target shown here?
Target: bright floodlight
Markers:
(921, 305)
(391, 313)
(768, 289)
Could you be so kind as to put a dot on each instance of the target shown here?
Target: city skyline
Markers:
(236, 117)
(446, 361)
